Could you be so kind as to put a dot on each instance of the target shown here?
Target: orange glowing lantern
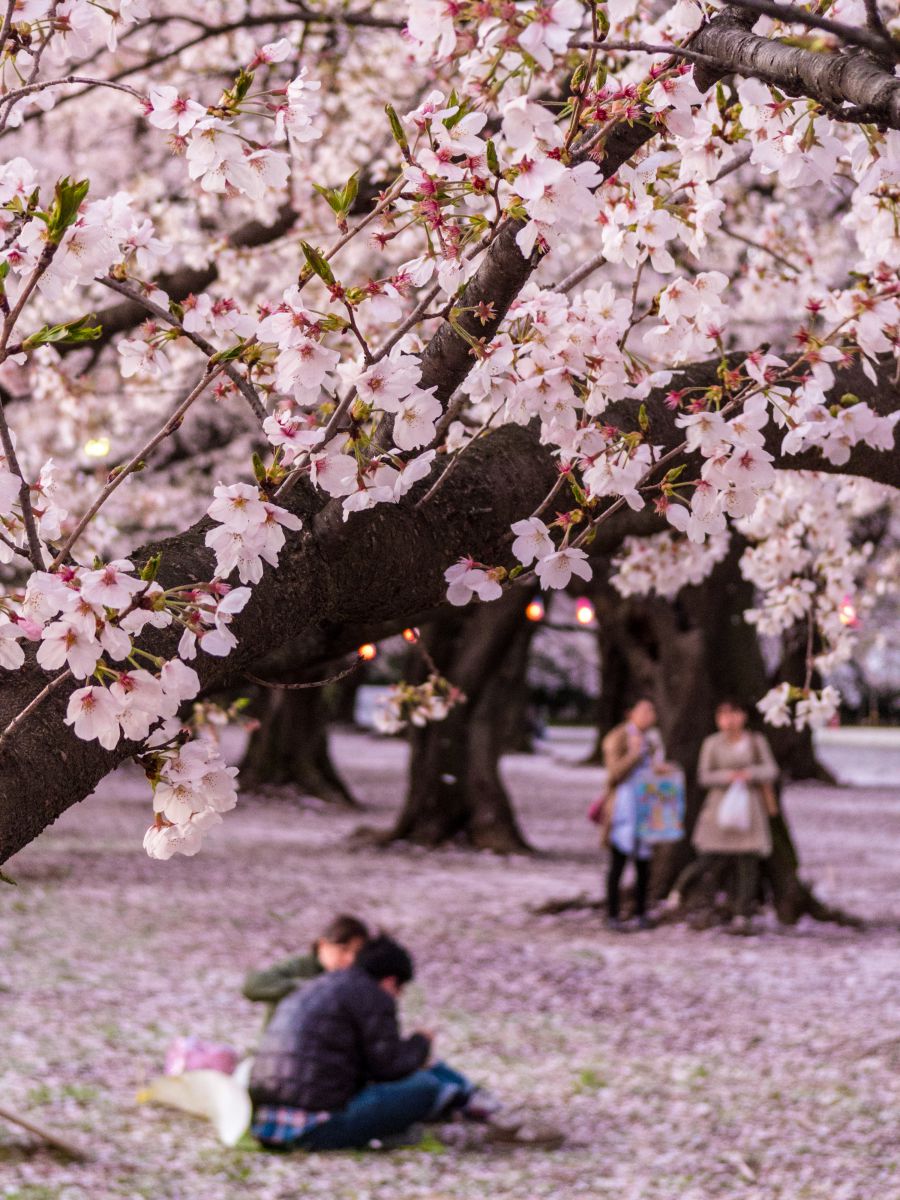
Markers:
(368, 651)
(584, 611)
(847, 614)
(535, 610)
(411, 636)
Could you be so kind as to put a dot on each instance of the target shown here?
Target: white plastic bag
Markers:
(222, 1099)
(734, 808)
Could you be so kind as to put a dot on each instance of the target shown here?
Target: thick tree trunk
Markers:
(455, 788)
(290, 747)
(613, 686)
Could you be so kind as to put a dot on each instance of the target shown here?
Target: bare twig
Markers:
(36, 702)
(35, 553)
(317, 683)
(870, 39)
(244, 386)
(11, 7)
(740, 237)
(134, 463)
(648, 48)
(8, 101)
(76, 1153)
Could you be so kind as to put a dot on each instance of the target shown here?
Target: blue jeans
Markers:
(382, 1110)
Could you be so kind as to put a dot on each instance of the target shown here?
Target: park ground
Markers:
(683, 1065)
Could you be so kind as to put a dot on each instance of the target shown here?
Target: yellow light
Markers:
(97, 447)
(411, 635)
(368, 651)
(847, 614)
(584, 612)
(535, 610)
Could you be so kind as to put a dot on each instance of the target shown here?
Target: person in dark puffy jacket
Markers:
(333, 1072)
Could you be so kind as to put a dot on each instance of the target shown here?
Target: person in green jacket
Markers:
(336, 948)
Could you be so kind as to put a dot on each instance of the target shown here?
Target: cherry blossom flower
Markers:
(168, 110)
(414, 424)
(93, 712)
(12, 656)
(466, 580)
(111, 586)
(65, 644)
(237, 506)
(550, 29)
(557, 569)
(533, 540)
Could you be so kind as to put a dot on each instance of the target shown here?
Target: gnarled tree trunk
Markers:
(455, 788)
(290, 747)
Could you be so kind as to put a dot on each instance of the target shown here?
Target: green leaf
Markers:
(228, 355)
(578, 77)
(397, 129)
(330, 195)
(150, 569)
(350, 192)
(259, 469)
(643, 419)
(492, 161)
(67, 200)
(4, 878)
(71, 334)
(317, 263)
(239, 89)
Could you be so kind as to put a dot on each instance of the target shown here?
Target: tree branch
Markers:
(832, 79)
(876, 38)
(382, 568)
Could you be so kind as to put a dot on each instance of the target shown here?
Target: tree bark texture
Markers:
(455, 789)
(290, 747)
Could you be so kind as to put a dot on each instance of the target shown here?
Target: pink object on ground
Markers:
(195, 1054)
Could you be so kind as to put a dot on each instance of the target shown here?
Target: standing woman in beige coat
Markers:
(734, 755)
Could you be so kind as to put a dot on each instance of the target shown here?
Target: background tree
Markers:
(455, 787)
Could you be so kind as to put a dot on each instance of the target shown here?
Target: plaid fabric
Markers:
(277, 1125)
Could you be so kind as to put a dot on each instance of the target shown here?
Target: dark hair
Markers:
(733, 703)
(342, 930)
(383, 958)
(629, 708)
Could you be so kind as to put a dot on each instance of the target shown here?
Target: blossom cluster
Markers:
(408, 704)
(191, 788)
(248, 530)
(664, 563)
(218, 155)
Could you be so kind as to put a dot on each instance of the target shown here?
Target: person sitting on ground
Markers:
(332, 1071)
(629, 749)
(334, 949)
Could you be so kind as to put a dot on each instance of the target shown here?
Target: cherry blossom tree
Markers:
(315, 317)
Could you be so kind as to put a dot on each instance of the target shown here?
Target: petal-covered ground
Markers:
(684, 1066)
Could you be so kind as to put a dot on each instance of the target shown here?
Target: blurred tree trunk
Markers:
(455, 789)
(290, 747)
